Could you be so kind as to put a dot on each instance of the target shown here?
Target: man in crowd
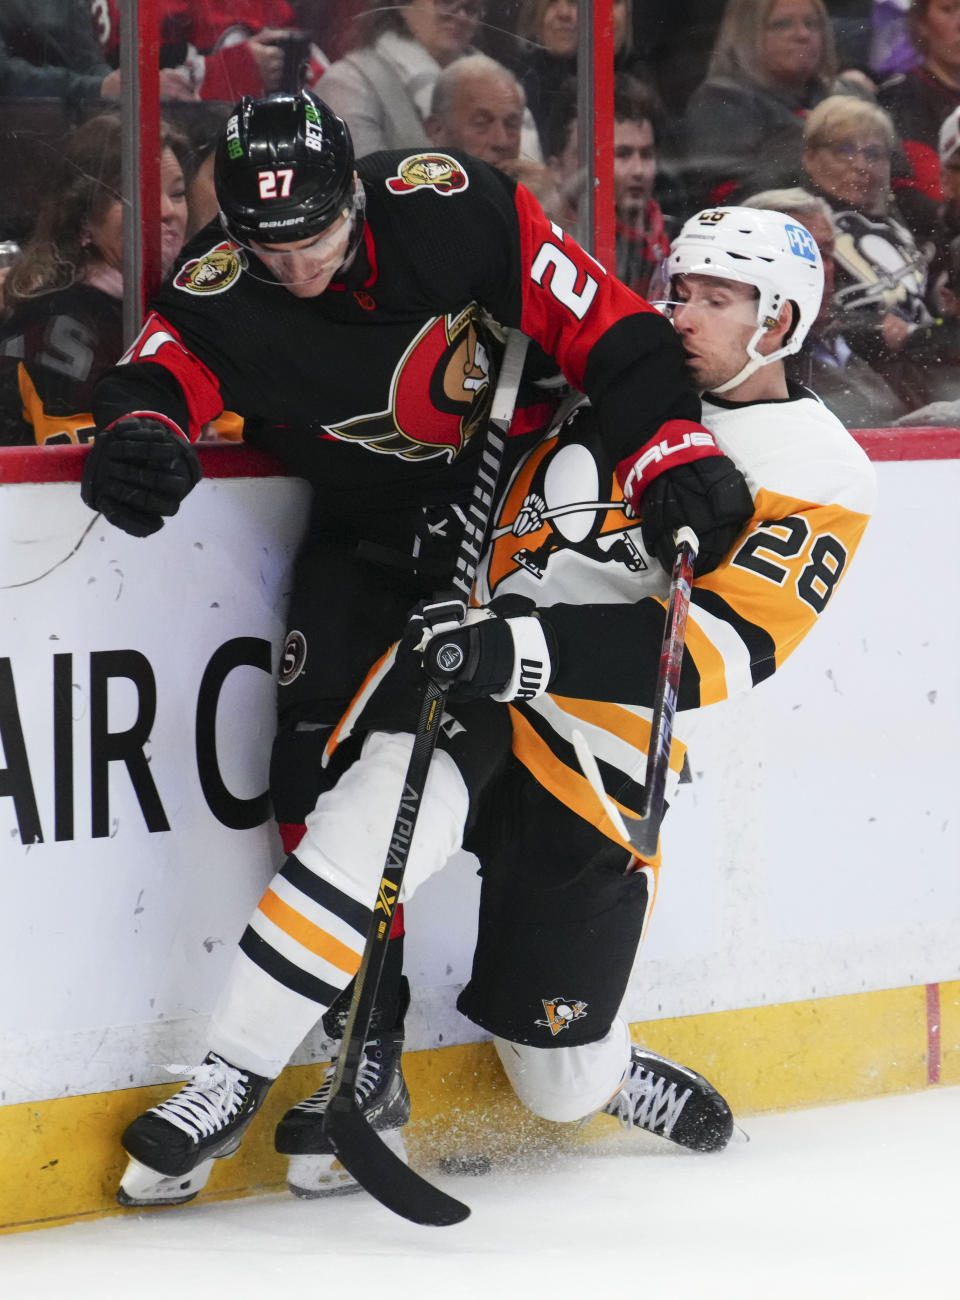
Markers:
(478, 106)
(340, 313)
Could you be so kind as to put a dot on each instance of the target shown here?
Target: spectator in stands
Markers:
(937, 349)
(65, 289)
(48, 49)
(224, 48)
(200, 125)
(383, 87)
(550, 59)
(642, 241)
(826, 363)
(773, 61)
(947, 223)
(919, 101)
(478, 106)
(881, 274)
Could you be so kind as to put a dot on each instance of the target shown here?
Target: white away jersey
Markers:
(562, 538)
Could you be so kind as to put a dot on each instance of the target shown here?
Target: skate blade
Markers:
(141, 1186)
(313, 1176)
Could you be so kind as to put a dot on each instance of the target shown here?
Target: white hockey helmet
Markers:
(774, 253)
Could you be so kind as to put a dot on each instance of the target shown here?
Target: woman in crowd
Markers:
(773, 61)
(64, 292)
(383, 86)
(550, 59)
(919, 101)
(881, 273)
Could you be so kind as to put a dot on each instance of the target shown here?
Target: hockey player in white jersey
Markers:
(567, 584)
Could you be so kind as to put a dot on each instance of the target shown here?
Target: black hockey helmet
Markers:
(284, 169)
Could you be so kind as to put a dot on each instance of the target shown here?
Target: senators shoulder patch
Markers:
(214, 272)
(432, 171)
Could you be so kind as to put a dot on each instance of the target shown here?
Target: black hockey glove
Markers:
(138, 471)
(710, 496)
(502, 650)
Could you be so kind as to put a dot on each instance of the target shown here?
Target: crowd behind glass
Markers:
(845, 115)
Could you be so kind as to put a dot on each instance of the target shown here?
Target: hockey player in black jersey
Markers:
(343, 312)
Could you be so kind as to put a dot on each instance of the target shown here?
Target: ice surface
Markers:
(850, 1202)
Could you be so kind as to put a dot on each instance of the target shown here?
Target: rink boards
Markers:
(803, 947)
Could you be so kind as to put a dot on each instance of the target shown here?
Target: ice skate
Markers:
(173, 1145)
(673, 1102)
(381, 1094)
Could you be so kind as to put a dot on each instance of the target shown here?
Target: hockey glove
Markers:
(709, 496)
(682, 478)
(138, 470)
(503, 651)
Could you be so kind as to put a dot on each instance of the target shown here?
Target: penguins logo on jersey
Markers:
(883, 269)
(214, 272)
(434, 171)
(562, 500)
(439, 393)
(561, 1013)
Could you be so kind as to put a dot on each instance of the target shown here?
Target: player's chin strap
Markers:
(755, 360)
(359, 1149)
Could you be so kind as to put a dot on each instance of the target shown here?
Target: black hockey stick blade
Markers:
(384, 1175)
(643, 832)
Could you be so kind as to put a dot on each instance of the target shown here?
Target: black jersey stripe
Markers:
(760, 644)
(334, 900)
(284, 971)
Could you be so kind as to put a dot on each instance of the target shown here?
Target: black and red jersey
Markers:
(373, 389)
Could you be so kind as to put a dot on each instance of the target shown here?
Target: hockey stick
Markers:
(359, 1149)
(643, 832)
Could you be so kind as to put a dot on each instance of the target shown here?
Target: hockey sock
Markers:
(567, 1083)
(305, 940)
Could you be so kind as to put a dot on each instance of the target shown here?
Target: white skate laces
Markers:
(368, 1079)
(214, 1093)
(648, 1100)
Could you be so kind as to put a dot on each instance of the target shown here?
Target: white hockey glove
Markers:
(503, 651)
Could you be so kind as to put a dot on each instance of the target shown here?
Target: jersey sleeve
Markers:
(610, 343)
(159, 373)
(746, 616)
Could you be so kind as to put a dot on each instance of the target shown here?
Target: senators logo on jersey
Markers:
(435, 171)
(446, 365)
(214, 272)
